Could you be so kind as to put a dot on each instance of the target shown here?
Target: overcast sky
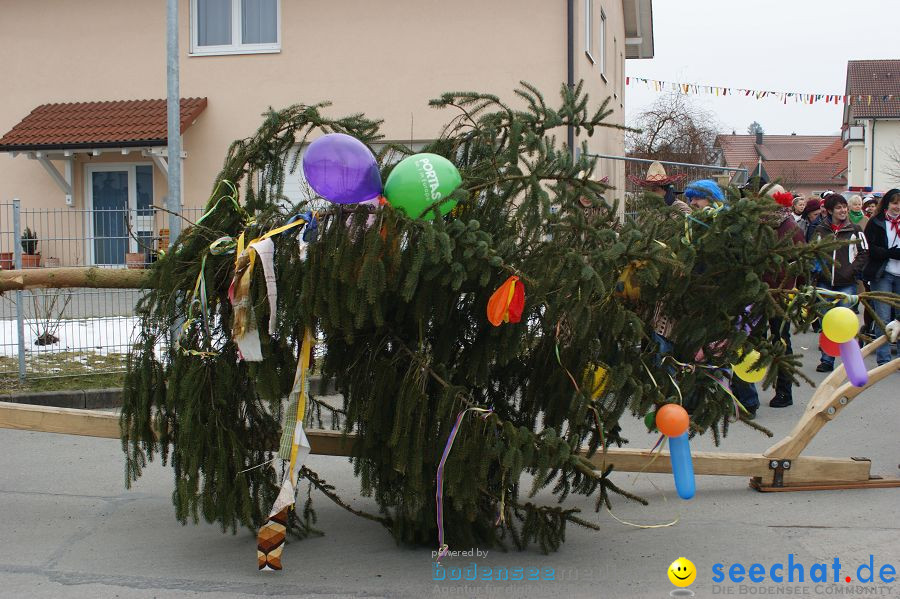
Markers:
(779, 45)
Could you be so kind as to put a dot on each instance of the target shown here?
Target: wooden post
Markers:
(93, 277)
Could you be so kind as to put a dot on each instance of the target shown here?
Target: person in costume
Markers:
(659, 182)
(883, 268)
(703, 194)
(847, 261)
(786, 228)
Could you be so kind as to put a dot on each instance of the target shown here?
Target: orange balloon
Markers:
(672, 420)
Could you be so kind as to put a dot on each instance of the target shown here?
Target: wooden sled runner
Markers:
(779, 468)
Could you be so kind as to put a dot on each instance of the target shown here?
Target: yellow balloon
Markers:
(742, 368)
(840, 324)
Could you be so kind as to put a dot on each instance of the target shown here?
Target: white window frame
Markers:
(234, 47)
(602, 43)
(589, 29)
(138, 224)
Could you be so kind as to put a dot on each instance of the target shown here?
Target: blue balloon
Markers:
(682, 466)
(853, 363)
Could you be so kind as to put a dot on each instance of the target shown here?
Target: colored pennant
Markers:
(803, 98)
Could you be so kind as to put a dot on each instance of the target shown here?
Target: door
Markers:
(109, 190)
(122, 214)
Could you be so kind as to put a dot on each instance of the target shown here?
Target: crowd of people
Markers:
(870, 259)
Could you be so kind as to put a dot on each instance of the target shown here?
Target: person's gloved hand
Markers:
(893, 330)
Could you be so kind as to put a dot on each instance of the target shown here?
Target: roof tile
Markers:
(875, 78)
(81, 124)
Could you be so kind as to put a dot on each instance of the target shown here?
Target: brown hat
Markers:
(811, 206)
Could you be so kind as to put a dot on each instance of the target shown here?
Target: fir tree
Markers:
(400, 311)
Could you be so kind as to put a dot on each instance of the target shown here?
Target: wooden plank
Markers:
(92, 277)
(69, 421)
(875, 482)
(91, 423)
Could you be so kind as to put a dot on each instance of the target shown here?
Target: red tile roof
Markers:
(801, 172)
(877, 78)
(97, 124)
(742, 149)
(833, 153)
(785, 151)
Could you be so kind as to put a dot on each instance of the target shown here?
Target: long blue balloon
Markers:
(853, 363)
(682, 466)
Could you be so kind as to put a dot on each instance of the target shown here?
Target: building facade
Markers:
(238, 58)
(871, 127)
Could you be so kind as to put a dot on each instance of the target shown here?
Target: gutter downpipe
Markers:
(872, 164)
(570, 55)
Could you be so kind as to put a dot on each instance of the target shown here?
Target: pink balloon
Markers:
(853, 363)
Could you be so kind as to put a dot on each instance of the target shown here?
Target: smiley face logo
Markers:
(682, 572)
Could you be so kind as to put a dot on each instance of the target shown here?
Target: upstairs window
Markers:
(235, 26)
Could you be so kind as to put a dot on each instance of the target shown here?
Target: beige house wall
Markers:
(876, 161)
(386, 59)
(887, 154)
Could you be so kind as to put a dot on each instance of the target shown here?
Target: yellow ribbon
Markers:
(305, 351)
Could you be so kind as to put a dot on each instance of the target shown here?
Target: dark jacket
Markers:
(786, 228)
(849, 260)
(879, 252)
(812, 226)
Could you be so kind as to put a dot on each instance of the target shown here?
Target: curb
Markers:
(98, 399)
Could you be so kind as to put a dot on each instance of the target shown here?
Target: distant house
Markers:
(806, 164)
(871, 128)
(83, 127)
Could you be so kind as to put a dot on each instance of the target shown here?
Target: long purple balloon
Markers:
(341, 169)
(853, 363)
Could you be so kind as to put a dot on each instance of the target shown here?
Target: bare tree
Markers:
(755, 128)
(892, 168)
(675, 129)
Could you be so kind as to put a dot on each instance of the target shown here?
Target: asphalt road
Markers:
(69, 528)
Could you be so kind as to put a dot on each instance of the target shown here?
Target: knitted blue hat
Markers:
(704, 188)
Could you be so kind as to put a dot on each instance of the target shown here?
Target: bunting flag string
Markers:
(782, 96)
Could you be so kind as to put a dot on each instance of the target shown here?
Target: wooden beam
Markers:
(68, 421)
(803, 469)
(324, 442)
(93, 277)
(64, 185)
(92, 423)
(832, 396)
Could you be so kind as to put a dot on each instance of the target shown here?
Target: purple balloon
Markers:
(341, 169)
(853, 363)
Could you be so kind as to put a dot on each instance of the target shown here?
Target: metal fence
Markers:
(66, 332)
(637, 168)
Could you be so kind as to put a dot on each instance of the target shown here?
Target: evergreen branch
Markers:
(328, 491)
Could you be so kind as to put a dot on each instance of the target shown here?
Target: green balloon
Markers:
(420, 180)
(650, 421)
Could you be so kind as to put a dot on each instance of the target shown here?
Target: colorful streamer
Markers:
(439, 495)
